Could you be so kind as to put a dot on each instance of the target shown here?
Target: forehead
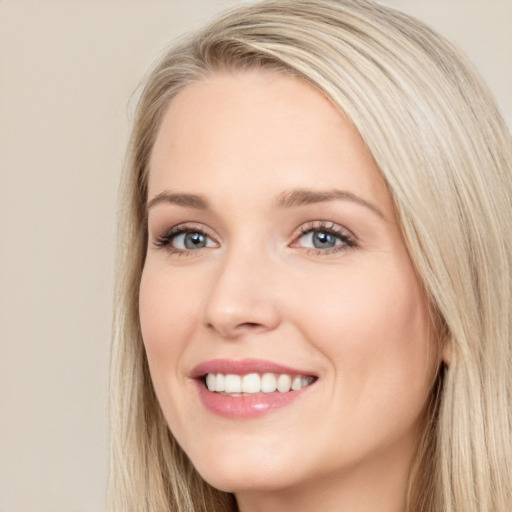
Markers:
(260, 128)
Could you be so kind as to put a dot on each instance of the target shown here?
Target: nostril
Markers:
(239, 327)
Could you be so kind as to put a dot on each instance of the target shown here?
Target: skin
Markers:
(356, 317)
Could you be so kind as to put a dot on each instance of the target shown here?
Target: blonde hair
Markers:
(446, 155)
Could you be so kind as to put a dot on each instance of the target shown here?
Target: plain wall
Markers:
(67, 73)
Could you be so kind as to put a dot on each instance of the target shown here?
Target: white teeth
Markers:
(219, 382)
(255, 383)
(233, 384)
(210, 381)
(268, 383)
(284, 383)
(251, 383)
(296, 383)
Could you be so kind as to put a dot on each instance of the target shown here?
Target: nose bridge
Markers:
(242, 298)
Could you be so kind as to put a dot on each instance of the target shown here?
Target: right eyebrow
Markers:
(187, 200)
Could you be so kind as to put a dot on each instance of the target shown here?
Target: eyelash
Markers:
(165, 239)
(347, 239)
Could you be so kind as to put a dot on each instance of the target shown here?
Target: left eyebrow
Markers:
(301, 197)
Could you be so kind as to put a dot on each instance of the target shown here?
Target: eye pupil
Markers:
(322, 240)
(194, 240)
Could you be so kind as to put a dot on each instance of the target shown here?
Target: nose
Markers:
(242, 299)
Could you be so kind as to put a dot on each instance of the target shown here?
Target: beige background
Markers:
(67, 71)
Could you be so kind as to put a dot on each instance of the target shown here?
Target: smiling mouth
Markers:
(255, 383)
(247, 389)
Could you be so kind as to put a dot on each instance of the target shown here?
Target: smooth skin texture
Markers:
(259, 285)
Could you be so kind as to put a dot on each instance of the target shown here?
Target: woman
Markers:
(314, 289)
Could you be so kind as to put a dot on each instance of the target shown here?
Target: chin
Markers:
(245, 483)
(242, 475)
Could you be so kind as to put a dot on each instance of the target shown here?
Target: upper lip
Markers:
(243, 367)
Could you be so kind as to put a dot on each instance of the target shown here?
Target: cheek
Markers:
(372, 324)
(166, 310)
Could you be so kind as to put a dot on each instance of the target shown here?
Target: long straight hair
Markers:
(446, 155)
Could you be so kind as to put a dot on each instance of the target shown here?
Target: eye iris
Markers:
(323, 240)
(194, 240)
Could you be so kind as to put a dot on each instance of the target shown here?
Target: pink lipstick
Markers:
(248, 388)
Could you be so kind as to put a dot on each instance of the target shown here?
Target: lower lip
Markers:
(246, 406)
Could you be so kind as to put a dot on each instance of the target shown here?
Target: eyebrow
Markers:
(302, 197)
(187, 200)
(289, 199)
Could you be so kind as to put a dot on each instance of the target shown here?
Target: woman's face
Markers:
(275, 258)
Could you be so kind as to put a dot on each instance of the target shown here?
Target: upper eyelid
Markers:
(302, 229)
(318, 225)
(187, 226)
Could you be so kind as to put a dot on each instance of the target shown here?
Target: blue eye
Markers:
(320, 240)
(324, 239)
(190, 240)
(181, 239)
